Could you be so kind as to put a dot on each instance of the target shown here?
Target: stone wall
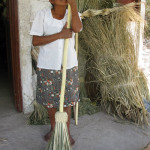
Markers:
(27, 11)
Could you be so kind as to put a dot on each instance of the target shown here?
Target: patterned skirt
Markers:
(48, 88)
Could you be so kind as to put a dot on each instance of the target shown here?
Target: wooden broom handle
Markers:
(65, 54)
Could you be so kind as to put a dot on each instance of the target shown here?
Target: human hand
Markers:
(65, 33)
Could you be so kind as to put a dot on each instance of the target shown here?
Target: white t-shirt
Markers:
(51, 55)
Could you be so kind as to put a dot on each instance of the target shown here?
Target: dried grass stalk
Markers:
(113, 63)
(104, 12)
(35, 53)
(39, 116)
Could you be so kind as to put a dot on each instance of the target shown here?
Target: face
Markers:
(59, 2)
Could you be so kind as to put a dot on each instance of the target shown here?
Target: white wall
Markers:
(144, 52)
(141, 35)
(27, 11)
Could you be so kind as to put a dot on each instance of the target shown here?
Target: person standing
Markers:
(49, 30)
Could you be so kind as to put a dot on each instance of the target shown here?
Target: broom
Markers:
(40, 115)
(60, 138)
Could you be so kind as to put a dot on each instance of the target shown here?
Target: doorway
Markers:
(5, 61)
(3, 45)
(10, 76)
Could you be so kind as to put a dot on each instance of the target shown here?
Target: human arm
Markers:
(76, 22)
(42, 40)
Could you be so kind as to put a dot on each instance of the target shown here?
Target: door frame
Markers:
(12, 8)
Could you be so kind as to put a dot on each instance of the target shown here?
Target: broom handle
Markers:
(63, 85)
(77, 104)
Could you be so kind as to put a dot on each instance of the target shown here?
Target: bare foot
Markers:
(48, 135)
(72, 141)
(147, 147)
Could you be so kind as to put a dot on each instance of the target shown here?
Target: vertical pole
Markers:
(65, 55)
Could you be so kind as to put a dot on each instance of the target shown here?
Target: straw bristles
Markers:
(103, 12)
(60, 137)
(35, 53)
(84, 5)
(112, 63)
(39, 116)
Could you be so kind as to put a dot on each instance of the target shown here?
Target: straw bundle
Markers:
(35, 53)
(104, 12)
(112, 63)
(147, 17)
(39, 116)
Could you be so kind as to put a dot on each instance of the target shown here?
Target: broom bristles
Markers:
(39, 116)
(60, 137)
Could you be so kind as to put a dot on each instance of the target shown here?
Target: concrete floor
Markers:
(96, 132)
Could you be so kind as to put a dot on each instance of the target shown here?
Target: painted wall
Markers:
(144, 51)
(27, 11)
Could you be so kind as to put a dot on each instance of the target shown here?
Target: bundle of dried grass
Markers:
(86, 105)
(35, 53)
(39, 116)
(104, 12)
(112, 63)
